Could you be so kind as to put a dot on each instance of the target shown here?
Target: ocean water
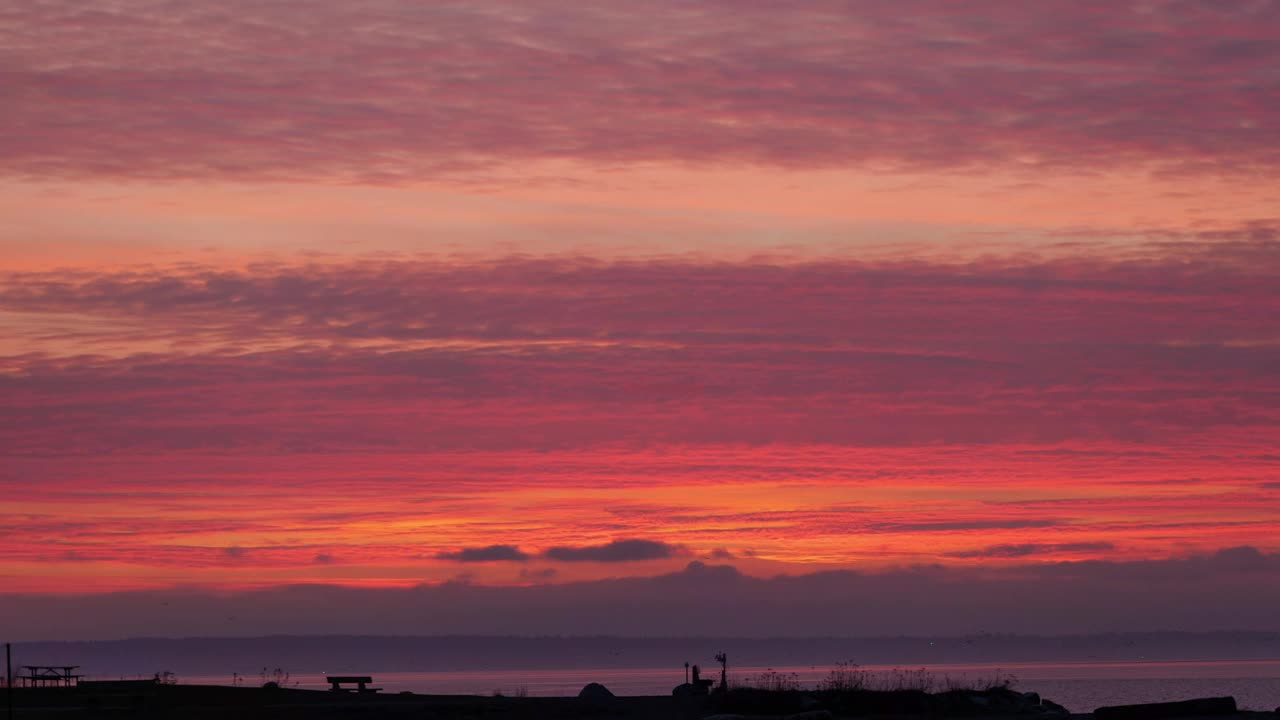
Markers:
(1079, 686)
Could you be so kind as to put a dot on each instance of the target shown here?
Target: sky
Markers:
(500, 316)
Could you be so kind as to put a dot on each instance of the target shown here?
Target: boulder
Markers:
(811, 715)
(1002, 698)
(1050, 707)
(595, 692)
(1156, 711)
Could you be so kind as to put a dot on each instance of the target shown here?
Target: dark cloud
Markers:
(962, 525)
(1071, 84)
(1246, 558)
(489, 553)
(324, 559)
(538, 573)
(1029, 549)
(76, 556)
(616, 551)
(235, 552)
(1237, 589)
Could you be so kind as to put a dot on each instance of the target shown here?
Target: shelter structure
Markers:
(49, 675)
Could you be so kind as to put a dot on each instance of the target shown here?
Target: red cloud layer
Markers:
(384, 91)
(821, 412)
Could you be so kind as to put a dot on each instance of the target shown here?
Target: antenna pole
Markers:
(8, 678)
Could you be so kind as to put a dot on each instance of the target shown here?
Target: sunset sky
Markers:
(540, 297)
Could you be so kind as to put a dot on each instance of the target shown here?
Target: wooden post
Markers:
(8, 678)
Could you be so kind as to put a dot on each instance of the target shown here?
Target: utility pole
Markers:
(8, 678)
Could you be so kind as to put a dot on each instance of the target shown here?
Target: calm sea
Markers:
(1079, 686)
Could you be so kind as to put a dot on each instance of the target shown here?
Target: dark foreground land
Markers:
(197, 702)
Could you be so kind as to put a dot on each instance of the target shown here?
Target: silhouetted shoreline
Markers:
(250, 703)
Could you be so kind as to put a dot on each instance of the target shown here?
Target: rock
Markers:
(1050, 707)
(595, 692)
(1154, 711)
(810, 715)
(1005, 699)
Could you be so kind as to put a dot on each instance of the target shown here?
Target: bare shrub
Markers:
(846, 677)
(774, 681)
(898, 679)
(998, 679)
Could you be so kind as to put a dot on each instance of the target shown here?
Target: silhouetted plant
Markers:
(166, 677)
(846, 677)
(999, 679)
(774, 681)
(273, 679)
(897, 679)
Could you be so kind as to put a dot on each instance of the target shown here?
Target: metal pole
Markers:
(8, 678)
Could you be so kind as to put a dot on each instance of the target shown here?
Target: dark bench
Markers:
(361, 682)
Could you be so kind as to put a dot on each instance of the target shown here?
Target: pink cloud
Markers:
(1125, 402)
(516, 354)
(386, 92)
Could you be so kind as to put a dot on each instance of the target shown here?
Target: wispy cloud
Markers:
(869, 408)
(424, 92)
(964, 525)
(1031, 549)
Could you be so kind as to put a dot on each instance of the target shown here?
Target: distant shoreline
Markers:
(250, 703)
(213, 655)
